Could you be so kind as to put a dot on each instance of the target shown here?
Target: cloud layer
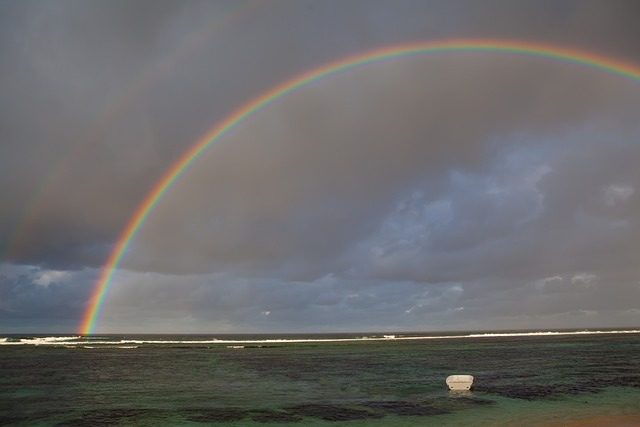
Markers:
(467, 191)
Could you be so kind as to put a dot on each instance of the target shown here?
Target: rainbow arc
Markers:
(517, 48)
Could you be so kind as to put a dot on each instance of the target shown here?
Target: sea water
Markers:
(521, 379)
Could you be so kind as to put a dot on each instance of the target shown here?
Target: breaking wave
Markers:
(238, 340)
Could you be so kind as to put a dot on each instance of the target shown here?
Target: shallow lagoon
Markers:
(323, 380)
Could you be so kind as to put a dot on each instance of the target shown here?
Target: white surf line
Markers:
(48, 341)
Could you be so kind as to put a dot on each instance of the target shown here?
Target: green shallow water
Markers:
(519, 381)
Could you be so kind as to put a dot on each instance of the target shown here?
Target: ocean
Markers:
(521, 379)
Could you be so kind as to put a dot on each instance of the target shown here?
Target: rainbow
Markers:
(581, 58)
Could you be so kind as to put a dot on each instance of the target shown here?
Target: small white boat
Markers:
(459, 382)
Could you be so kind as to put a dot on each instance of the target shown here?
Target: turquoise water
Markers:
(520, 380)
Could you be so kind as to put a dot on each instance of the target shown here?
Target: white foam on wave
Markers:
(548, 333)
(39, 340)
(91, 342)
(109, 346)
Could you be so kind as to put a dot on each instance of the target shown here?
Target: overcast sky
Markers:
(472, 191)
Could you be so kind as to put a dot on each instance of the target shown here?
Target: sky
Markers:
(468, 191)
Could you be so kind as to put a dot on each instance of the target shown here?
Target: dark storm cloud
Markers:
(37, 300)
(398, 195)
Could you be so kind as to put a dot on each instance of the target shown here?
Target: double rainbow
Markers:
(572, 56)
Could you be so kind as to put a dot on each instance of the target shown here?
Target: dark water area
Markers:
(323, 380)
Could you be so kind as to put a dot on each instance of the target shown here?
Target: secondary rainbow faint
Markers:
(589, 60)
(113, 107)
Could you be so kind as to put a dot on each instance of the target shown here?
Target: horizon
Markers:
(237, 167)
(476, 333)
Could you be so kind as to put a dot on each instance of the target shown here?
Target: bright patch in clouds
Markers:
(586, 280)
(46, 277)
(614, 194)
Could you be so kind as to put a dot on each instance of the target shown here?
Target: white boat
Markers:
(459, 382)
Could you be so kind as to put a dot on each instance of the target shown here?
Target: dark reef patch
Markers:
(595, 384)
(222, 415)
(108, 418)
(406, 408)
(334, 413)
(275, 417)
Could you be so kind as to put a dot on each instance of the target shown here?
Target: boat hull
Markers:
(460, 382)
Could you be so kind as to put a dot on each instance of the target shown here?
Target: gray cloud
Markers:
(436, 192)
(37, 300)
